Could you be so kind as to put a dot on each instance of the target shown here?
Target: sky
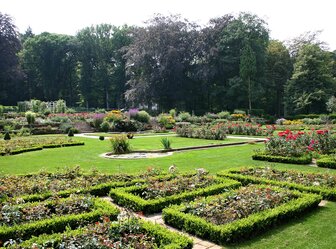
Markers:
(286, 18)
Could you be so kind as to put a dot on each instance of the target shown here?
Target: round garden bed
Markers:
(136, 155)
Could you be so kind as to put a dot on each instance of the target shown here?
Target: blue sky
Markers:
(286, 19)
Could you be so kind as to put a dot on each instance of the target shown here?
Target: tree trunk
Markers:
(249, 94)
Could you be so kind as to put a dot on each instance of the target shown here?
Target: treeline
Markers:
(170, 63)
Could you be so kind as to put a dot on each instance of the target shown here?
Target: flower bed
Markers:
(214, 132)
(157, 194)
(24, 220)
(323, 184)
(240, 213)
(41, 186)
(129, 233)
(290, 147)
(21, 145)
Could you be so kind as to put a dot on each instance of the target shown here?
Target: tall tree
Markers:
(50, 62)
(158, 62)
(312, 83)
(102, 66)
(10, 73)
(248, 70)
(247, 33)
(278, 71)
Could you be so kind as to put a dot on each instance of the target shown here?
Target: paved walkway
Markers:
(157, 219)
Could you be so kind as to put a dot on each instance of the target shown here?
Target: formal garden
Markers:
(231, 179)
(170, 135)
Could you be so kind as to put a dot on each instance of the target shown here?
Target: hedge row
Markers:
(326, 163)
(127, 197)
(46, 146)
(243, 228)
(19, 151)
(327, 193)
(59, 224)
(306, 159)
(165, 238)
(98, 190)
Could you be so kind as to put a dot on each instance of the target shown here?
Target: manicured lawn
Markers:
(316, 230)
(154, 143)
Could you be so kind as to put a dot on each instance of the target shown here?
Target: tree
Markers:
(312, 83)
(50, 63)
(102, 66)
(248, 70)
(247, 36)
(278, 71)
(331, 104)
(10, 73)
(159, 61)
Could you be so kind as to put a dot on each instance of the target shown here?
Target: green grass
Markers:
(315, 230)
(106, 134)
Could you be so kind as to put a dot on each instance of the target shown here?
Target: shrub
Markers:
(166, 120)
(114, 116)
(166, 143)
(120, 144)
(184, 116)
(60, 106)
(30, 116)
(1, 110)
(132, 113)
(71, 132)
(172, 112)
(105, 126)
(224, 115)
(305, 159)
(327, 162)
(7, 136)
(215, 132)
(142, 116)
(101, 138)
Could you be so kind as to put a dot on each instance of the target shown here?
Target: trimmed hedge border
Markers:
(47, 146)
(125, 197)
(327, 193)
(59, 224)
(102, 189)
(173, 240)
(282, 159)
(326, 163)
(243, 228)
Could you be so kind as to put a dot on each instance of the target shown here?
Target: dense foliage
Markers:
(171, 63)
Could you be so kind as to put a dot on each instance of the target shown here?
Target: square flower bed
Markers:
(127, 233)
(323, 184)
(27, 219)
(36, 187)
(153, 196)
(240, 213)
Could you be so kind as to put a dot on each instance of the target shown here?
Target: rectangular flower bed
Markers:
(323, 184)
(41, 186)
(128, 233)
(157, 194)
(24, 220)
(240, 213)
(21, 145)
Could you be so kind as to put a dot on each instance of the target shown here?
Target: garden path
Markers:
(157, 219)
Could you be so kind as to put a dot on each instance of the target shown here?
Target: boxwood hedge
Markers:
(242, 228)
(165, 238)
(327, 193)
(58, 224)
(306, 159)
(127, 197)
